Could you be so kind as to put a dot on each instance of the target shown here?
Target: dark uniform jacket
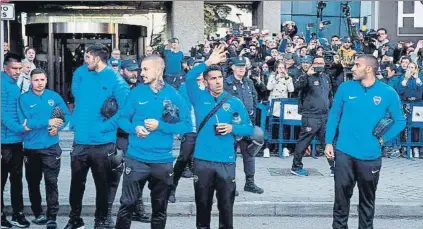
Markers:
(245, 91)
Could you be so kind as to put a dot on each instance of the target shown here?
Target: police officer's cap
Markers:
(239, 61)
(130, 65)
(307, 60)
(114, 61)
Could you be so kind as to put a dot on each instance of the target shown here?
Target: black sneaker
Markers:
(75, 224)
(18, 220)
(51, 224)
(40, 220)
(99, 224)
(4, 222)
(251, 187)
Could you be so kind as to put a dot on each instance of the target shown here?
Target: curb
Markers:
(267, 208)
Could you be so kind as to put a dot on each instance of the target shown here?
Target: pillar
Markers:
(267, 15)
(187, 21)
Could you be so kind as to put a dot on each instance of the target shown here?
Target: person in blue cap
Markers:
(129, 71)
(358, 151)
(41, 144)
(12, 130)
(115, 64)
(242, 87)
(214, 155)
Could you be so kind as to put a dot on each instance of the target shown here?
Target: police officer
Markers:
(95, 137)
(214, 156)
(313, 104)
(41, 145)
(129, 70)
(358, 151)
(11, 140)
(151, 126)
(243, 88)
(188, 140)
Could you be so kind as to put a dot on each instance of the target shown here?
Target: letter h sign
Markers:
(410, 18)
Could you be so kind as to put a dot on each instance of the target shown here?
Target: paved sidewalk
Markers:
(400, 190)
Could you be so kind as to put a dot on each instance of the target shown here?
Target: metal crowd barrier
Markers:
(289, 116)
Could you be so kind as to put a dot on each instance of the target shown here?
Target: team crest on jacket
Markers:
(377, 100)
(226, 106)
(128, 170)
(50, 102)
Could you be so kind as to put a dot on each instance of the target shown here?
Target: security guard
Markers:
(313, 104)
(243, 88)
(95, 137)
(129, 71)
(11, 140)
(41, 145)
(151, 118)
(214, 155)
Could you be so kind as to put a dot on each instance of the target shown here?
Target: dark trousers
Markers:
(96, 157)
(12, 163)
(136, 174)
(310, 128)
(348, 171)
(185, 156)
(37, 163)
(248, 160)
(209, 177)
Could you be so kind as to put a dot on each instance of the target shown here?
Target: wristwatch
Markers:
(381, 142)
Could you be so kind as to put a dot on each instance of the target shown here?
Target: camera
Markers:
(329, 58)
(321, 5)
(345, 7)
(371, 36)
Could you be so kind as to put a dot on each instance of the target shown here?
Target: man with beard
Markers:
(129, 71)
(149, 156)
(214, 155)
(358, 151)
(41, 145)
(95, 137)
(242, 87)
(11, 140)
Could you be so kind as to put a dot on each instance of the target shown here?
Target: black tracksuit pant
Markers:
(12, 163)
(136, 174)
(185, 156)
(210, 177)
(310, 127)
(47, 162)
(96, 157)
(348, 172)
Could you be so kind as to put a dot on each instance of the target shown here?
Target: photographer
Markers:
(289, 28)
(260, 82)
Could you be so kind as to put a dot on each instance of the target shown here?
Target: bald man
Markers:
(151, 133)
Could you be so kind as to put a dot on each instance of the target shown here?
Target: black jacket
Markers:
(315, 95)
(245, 91)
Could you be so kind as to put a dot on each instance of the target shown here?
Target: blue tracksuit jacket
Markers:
(11, 128)
(358, 110)
(90, 127)
(208, 146)
(143, 103)
(37, 109)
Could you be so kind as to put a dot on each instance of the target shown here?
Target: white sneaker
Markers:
(285, 152)
(266, 153)
(416, 152)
